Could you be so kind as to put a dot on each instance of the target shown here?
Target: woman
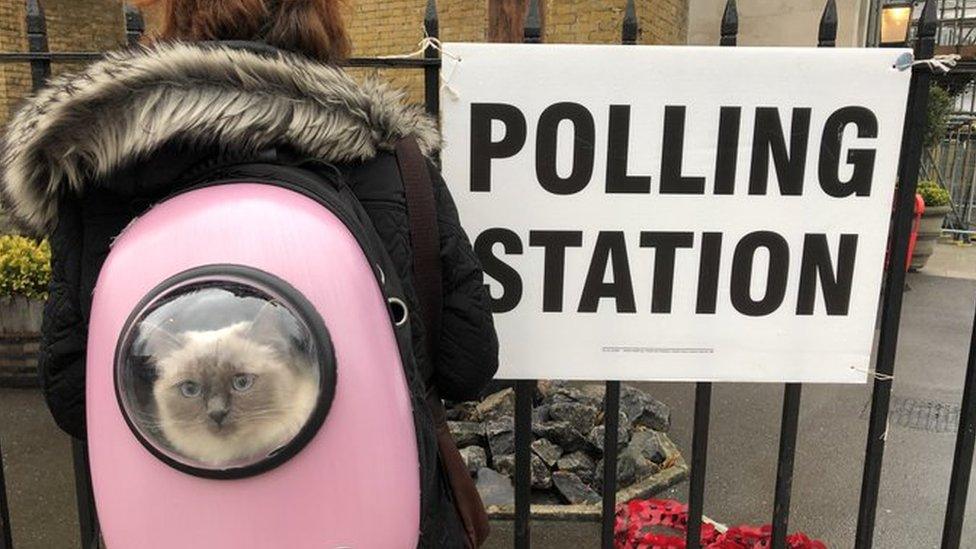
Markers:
(223, 81)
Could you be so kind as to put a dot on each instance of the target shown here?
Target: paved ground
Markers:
(936, 326)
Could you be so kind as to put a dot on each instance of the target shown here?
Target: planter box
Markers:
(929, 231)
(646, 488)
(20, 327)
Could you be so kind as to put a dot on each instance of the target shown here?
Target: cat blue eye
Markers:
(243, 382)
(190, 389)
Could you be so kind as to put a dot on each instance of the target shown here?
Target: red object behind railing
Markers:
(916, 223)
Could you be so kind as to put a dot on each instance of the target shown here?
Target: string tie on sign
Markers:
(938, 63)
(426, 42)
(876, 375)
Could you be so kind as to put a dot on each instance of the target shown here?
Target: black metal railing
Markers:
(909, 161)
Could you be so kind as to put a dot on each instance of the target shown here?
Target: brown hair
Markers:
(313, 27)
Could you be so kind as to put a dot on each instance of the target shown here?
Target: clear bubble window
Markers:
(223, 373)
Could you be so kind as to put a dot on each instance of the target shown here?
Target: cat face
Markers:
(231, 395)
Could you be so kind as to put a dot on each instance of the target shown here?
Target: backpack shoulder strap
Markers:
(424, 237)
(425, 241)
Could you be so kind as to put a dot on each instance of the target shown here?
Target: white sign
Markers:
(677, 213)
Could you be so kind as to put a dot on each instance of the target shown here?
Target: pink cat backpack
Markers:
(249, 373)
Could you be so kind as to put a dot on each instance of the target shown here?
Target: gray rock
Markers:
(569, 393)
(497, 405)
(561, 433)
(540, 413)
(579, 464)
(501, 436)
(504, 464)
(474, 458)
(463, 411)
(643, 410)
(495, 488)
(547, 451)
(549, 387)
(596, 436)
(634, 463)
(541, 478)
(580, 416)
(572, 489)
(650, 445)
(594, 391)
(467, 433)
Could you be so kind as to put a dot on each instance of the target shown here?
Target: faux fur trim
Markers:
(84, 126)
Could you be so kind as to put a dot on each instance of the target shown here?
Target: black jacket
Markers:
(92, 151)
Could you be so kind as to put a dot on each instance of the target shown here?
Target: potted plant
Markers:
(25, 271)
(930, 228)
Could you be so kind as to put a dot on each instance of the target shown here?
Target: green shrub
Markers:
(933, 194)
(25, 266)
(937, 117)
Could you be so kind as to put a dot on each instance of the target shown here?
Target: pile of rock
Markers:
(567, 451)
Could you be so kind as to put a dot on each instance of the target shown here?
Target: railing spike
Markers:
(35, 17)
(929, 22)
(135, 25)
(533, 24)
(37, 43)
(827, 36)
(431, 23)
(730, 24)
(631, 26)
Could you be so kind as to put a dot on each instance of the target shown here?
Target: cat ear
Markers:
(267, 327)
(158, 340)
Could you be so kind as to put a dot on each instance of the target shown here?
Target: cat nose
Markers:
(218, 416)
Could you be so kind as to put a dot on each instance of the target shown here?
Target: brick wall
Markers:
(386, 27)
(15, 78)
(83, 25)
(72, 25)
(378, 27)
(395, 27)
(599, 21)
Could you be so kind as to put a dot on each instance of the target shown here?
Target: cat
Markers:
(231, 396)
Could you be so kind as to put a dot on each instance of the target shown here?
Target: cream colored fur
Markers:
(291, 392)
(85, 126)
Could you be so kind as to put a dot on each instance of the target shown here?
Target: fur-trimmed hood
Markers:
(84, 127)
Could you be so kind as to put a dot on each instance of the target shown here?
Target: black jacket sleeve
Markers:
(79, 245)
(64, 330)
(468, 349)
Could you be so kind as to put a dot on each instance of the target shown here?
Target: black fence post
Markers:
(730, 25)
(962, 462)
(135, 25)
(525, 389)
(6, 536)
(729, 31)
(699, 453)
(532, 33)
(827, 33)
(784, 467)
(37, 43)
(630, 29)
(826, 38)
(84, 496)
(611, 439)
(908, 165)
(432, 91)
